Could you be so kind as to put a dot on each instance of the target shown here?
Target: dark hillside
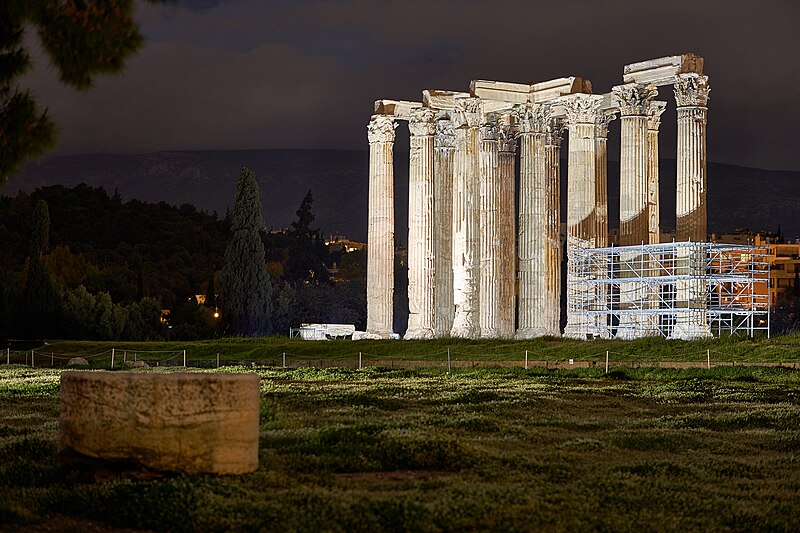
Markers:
(738, 197)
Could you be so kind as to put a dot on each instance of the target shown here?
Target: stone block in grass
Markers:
(188, 423)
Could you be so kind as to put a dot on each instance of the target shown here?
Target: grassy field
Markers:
(783, 349)
(488, 449)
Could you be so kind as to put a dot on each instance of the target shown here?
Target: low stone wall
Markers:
(190, 423)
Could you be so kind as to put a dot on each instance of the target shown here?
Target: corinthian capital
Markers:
(467, 113)
(555, 130)
(445, 138)
(581, 108)
(381, 129)
(421, 121)
(654, 112)
(604, 118)
(533, 118)
(489, 128)
(507, 134)
(691, 90)
(634, 98)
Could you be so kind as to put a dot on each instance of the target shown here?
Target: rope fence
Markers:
(116, 359)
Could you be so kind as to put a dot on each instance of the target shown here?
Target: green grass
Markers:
(783, 349)
(481, 449)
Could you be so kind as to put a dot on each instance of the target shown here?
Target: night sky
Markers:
(258, 74)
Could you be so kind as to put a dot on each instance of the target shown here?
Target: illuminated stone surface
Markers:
(421, 305)
(468, 274)
(189, 423)
(380, 230)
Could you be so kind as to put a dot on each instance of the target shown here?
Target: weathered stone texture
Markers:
(471, 275)
(189, 423)
(421, 250)
(380, 231)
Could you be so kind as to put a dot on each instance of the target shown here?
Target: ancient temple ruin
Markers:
(470, 273)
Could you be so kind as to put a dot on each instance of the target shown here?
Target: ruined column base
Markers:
(688, 331)
(577, 331)
(371, 335)
(177, 422)
(419, 334)
(533, 333)
(636, 328)
(465, 332)
(490, 333)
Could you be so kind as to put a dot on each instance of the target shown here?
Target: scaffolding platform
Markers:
(680, 290)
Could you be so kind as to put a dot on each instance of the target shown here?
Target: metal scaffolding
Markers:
(676, 290)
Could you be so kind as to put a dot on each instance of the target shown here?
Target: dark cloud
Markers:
(255, 74)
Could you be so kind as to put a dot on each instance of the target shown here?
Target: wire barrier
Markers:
(121, 359)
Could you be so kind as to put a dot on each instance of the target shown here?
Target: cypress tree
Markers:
(307, 252)
(246, 287)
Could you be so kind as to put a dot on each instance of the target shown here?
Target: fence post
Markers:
(217, 359)
(125, 356)
(359, 360)
(32, 365)
(284, 359)
(606, 361)
(184, 359)
(112, 358)
(8, 356)
(708, 355)
(526, 359)
(51, 359)
(448, 359)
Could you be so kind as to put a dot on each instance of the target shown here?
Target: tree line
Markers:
(77, 263)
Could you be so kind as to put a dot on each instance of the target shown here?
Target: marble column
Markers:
(691, 97)
(380, 230)
(489, 233)
(444, 143)
(535, 234)
(581, 111)
(551, 318)
(507, 148)
(421, 303)
(601, 209)
(601, 176)
(466, 218)
(634, 101)
(654, 112)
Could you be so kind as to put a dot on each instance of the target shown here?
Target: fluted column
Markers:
(507, 148)
(634, 101)
(654, 112)
(380, 231)
(421, 317)
(551, 316)
(489, 235)
(601, 209)
(534, 240)
(581, 111)
(601, 176)
(466, 218)
(444, 143)
(691, 97)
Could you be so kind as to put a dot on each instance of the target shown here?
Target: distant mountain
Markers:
(207, 180)
(738, 197)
